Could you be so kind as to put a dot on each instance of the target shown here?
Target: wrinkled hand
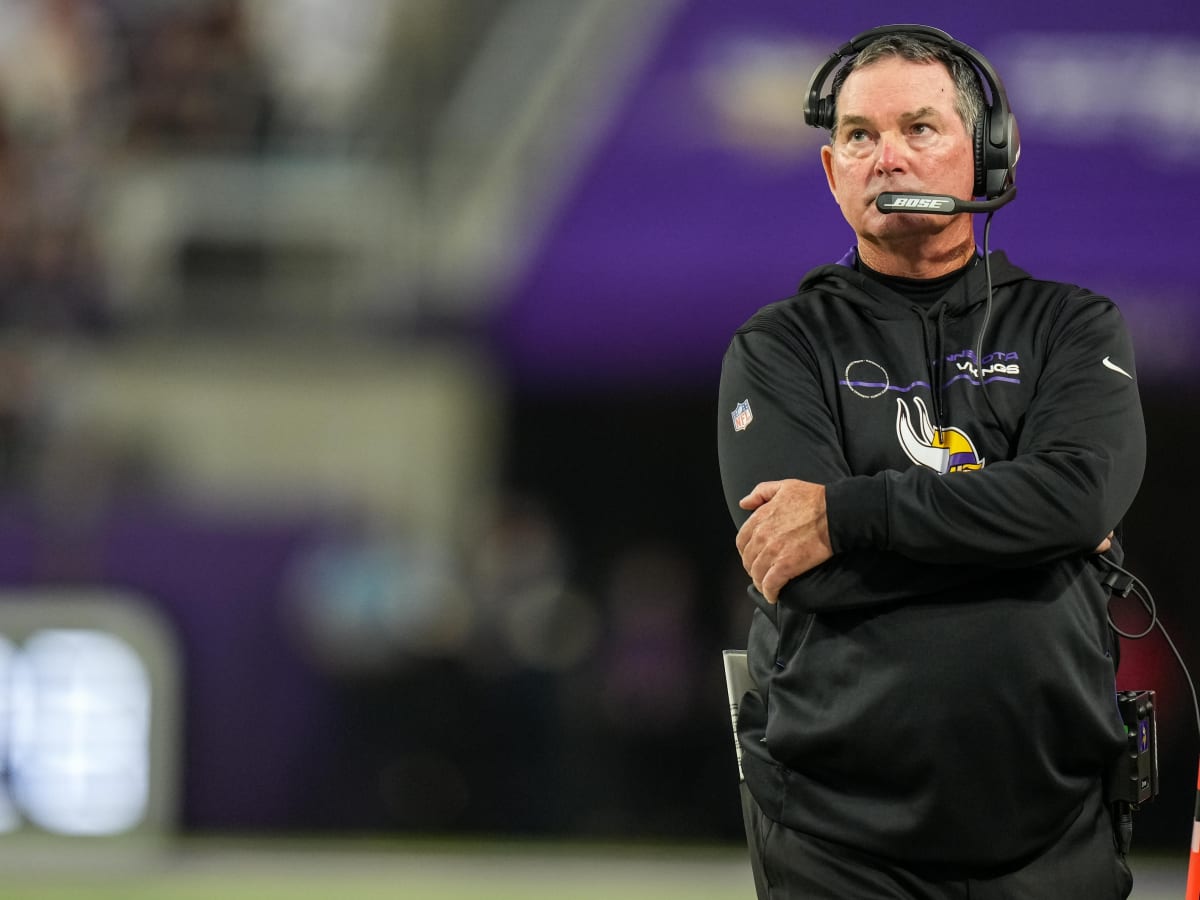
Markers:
(786, 535)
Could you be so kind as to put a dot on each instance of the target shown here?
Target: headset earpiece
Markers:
(980, 139)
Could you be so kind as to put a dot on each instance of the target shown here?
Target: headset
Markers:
(997, 140)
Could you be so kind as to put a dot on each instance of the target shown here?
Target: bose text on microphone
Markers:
(939, 204)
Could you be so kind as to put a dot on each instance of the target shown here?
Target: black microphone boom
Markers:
(940, 204)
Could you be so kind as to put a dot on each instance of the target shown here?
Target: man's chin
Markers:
(896, 224)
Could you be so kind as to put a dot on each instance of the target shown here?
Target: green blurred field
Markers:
(371, 869)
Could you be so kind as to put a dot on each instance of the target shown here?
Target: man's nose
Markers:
(891, 157)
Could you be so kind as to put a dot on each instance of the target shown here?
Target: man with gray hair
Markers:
(926, 452)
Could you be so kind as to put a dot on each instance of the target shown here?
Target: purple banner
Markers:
(706, 199)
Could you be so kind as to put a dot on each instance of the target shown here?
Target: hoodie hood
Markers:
(882, 303)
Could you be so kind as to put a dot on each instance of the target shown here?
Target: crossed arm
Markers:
(810, 528)
(787, 533)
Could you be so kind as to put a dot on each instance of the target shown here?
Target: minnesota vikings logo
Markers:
(943, 450)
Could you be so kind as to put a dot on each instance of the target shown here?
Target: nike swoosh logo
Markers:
(1109, 364)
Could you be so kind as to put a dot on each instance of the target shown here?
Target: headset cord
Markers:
(987, 316)
(1136, 586)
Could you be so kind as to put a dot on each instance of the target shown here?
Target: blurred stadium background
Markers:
(360, 528)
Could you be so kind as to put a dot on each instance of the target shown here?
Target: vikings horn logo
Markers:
(943, 450)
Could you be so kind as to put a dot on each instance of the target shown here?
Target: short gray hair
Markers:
(968, 100)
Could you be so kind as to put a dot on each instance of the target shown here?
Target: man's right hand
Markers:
(786, 535)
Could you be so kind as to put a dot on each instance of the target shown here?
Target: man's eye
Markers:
(858, 134)
(921, 128)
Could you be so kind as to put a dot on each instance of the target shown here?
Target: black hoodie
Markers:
(942, 690)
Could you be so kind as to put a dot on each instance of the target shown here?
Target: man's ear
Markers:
(827, 163)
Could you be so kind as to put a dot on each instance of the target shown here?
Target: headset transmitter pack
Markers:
(1135, 780)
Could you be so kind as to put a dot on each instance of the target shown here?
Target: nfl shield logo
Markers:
(742, 416)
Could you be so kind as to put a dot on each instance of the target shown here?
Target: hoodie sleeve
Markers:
(774, 423)
(1078, 465)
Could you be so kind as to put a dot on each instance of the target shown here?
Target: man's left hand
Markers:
(786, 535)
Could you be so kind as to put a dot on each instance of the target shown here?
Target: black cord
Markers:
(987, 314)
(1138, 587)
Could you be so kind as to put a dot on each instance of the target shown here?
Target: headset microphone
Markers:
(940, 204)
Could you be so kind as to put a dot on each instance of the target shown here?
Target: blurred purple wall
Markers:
(706, 198)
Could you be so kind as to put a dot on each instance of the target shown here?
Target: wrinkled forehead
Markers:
(897, 86)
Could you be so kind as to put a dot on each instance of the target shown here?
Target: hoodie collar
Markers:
(921, 291)
(884, 303)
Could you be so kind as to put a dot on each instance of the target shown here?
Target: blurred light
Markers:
(88, 715)
(79, 756)
(1107, 86)
(10, 818)
(372, 605)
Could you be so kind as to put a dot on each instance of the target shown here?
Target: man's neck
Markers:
(920, 258)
